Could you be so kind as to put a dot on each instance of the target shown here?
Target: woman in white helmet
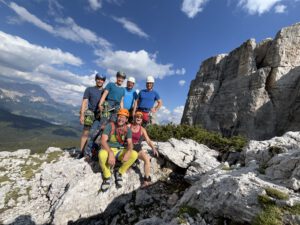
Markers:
(146, 100)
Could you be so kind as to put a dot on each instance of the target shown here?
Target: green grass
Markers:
(272, 214)
(19, 132)
(275, 193)
(13, 194)
(211, 139)
(4, 179)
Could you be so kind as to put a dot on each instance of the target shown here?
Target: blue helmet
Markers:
(100, 76)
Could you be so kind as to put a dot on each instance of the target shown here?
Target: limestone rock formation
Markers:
(55, 188)
(253, 91)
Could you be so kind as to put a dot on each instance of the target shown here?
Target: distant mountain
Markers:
(25, 132)
(31, 100)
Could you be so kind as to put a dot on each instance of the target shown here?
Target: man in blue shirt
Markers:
(146, 100)
(89, 108)
(114, 95)
(130, 96)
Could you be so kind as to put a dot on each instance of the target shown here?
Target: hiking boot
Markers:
(105, 184)
(80, 156)
(146, 181)
(119, 180)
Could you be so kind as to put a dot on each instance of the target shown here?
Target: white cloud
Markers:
(19, 53)
(257, 6)
(131, 27)
(164, 115)
(182, 82)
(22, 60)
(65, 28)
(280, 8)
(180, 71)
(139, 64)
(192, 7)
(28, 17)
(95, 4)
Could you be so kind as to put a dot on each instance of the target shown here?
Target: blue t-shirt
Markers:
(147, 99)
(93, 94)
(115, 92)
(130, 96)
(113, 141)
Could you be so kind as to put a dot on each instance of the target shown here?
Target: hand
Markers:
(126, 156)
(81, 119)
(155, 152)
(111, 159)
(153, 110)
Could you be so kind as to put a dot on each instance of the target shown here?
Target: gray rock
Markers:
(253, 91)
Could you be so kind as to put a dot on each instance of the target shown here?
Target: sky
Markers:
(61, 44)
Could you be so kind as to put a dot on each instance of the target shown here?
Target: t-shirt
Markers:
(93, 94)
(115, 92)
(113, 141)
(130, 96)
(147, 99)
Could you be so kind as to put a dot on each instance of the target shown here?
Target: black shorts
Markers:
(137, 147)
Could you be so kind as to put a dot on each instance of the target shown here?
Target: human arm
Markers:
(135, 104)
(149, 142)
(105, 146)
(122, 103)
(82, 109)
(103, 97)
(156, 108)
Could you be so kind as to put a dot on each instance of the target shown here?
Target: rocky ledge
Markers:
(190, 186)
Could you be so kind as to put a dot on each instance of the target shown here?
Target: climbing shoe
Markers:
(146, 181)
(119, 180)
(106, 184)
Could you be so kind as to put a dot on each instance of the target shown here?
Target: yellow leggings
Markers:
(103, 161)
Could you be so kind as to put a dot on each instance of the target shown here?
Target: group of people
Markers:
(116, 118)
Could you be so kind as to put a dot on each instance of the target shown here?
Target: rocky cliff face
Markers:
(189, 187)
(253, 91)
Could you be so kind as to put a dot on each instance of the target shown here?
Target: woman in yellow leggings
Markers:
(113, 138)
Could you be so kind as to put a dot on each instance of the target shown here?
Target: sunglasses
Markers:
(138, 117)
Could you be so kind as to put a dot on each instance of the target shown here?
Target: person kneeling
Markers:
(139, 133)
(113, 140)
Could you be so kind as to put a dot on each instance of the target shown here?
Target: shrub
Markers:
(213, 140)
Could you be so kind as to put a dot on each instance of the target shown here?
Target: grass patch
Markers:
(275, 193)
(14, 194)
(4, 179)
(191, 211)
(271, 215)
(53, 156)
(213, 140)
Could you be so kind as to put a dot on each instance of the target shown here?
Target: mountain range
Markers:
(31, 100)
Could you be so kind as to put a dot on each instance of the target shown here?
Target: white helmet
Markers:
(131, 79)
(150, 79)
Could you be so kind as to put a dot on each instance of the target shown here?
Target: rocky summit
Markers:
(190, 186)
(253, 91)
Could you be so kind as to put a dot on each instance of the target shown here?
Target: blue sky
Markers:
(59, 44)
